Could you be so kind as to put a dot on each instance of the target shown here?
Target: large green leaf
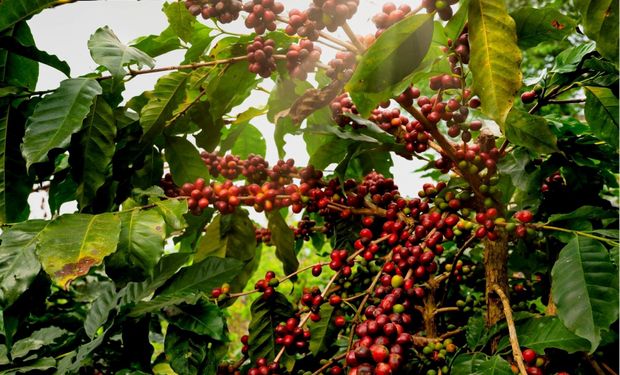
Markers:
(18, 262)
(190, 283)
(17, 70)
(223, 96)
(187, 351)
(496, 365)
(600, 22)
(93, 150)
(166, 268)
(140, 245)
(105, 302)
(540, 25)
(585, 289)
(184, 161)
(204, 318)
(547, 332)
(180, 20)
(230, 236)
(173, 210)
(602, 114)
(530, 131)
(31, 52)
(169, 93)
(495, 57)
(156, 45)
(283, 238)
(37, 340)
(12, 11)
(570, 59)
(245, 139)
(323, 331)
(391, 58)
(15, 186)
(201, 40)
(468, 363)
(266, 315)
(70, 245)
(107, 50)
(57, 117)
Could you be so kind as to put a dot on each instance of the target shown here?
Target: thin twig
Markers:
(329, 363)
(567, 101)
(353, 37)
(514, 340)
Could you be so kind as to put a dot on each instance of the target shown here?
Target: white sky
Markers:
(65, 30)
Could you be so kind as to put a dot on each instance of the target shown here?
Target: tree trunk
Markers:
(496, 272)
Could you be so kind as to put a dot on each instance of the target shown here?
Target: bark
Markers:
(496, 273)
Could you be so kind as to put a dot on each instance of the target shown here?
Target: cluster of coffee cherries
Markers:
(263, 367)
(342, 105)
(263, 235)
(384, 343)
(302, 58)
(389, 120)
(298, 23)
(267, 285)
(331, 14)
(461, 271)
(294, 338)
(390, 14)
(305, 227)
(444, 82)
(341, 67)
(260, 56)
(458, 51)
(435, 354)
(534, 363)
(312, 299)
(443, 7)
(225, 11)
(262, 14)
(553, 183)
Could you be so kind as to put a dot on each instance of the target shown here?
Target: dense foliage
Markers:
(506, 263)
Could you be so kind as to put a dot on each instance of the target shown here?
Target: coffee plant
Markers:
(505, 262)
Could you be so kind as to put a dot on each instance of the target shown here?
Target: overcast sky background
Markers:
(64, 31)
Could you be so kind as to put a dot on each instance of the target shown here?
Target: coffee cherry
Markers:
(529, 355)
(528, 97)
(524, 216)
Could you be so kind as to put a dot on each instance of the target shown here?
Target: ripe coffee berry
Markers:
(302, 58)
(260, 57)
(262, 14)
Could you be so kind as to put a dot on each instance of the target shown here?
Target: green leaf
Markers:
(201, 40)
(166, 268)
(38, 339)
(283, 238)
(18, 262)
(391, 58)
(97, 316)
(15, 186)
(187, 351)
(108, 51)
(184, 161)
(93, 150)
(585, 289)
(190, 283)
(40, 364)
(223, 96)
(11, 12)
(600, 22)
(530, 131)
(203, 318)
(266, 315)
(180, 20)
(31, 52)
(230, 236)
(495, 57)
(140, 244)
(157, 45)
(57, 117)
(569, 60)
(70, 245)
(457, 23)
(332, 151)
(476, 333)
(602, 114)
(467, 364)
(547, 332)
(514, 165)
(169, 93)
(173, 210)
(17, 70)
(246, 139)
(583, 213)
(495, 365)
(323, 332)
(535, 26)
